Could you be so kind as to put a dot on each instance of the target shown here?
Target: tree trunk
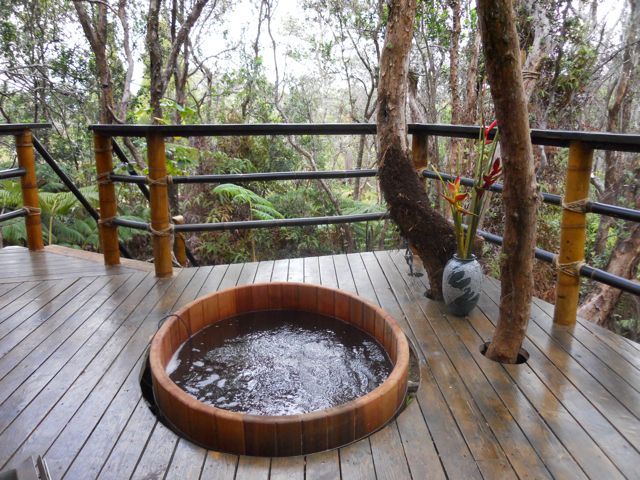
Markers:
(470, 114)
(502, 56)
(97, 37)
(403, 191)
(455, 150)
(618, 115)
(601, 302)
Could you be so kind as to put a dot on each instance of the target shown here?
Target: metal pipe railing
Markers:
(142, 186)
(251, 177)
(586, 271)
(12, 173)
(13, 214)
(581, 146)
(557, 138)
(614, 211)
(253, 224)
(551, 199)
(46, 156)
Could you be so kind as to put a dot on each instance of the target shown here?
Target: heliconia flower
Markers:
(488, 130)
(454, 186)
(493, 175)
(457, 203)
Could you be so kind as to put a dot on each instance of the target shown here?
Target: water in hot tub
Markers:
(279, 363)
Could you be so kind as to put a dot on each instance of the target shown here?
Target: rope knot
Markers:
(165, 232)
(104, 178)
(577, 206)
(570, 268)
(108, 221)
(166, 180)
(31, 210)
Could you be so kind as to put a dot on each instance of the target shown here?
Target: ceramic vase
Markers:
(462, 284)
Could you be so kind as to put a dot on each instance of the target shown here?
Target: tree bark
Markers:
(159, 74)
(502, 56)
(602, 301)
(618, 115)
(403, 191)
(97, 37)
(456, 105)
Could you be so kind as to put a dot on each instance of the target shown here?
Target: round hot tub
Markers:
(278, 435)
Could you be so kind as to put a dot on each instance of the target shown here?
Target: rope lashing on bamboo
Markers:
(577, 206)
(104, 178)
(31, 210)
(106, 221)
(570, 268)
(168, 180)
(165, 232)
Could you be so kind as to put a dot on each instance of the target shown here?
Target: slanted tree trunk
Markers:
(502, 57)
(403, 191)
(601, 302)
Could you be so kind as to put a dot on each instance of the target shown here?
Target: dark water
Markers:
(279, 363)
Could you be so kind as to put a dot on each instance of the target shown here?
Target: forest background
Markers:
(73, 63)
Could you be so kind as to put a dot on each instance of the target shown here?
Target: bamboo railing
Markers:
(569, 261)
(28, 182)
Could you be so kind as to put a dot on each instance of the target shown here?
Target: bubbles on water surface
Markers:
(279, 363)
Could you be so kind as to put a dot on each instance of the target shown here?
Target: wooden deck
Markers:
(73, 335)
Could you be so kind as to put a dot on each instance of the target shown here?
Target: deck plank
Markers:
(64, 394)
(51, 337)
(219, 466)
(71, 349)
(478, 436)
(553, 386)
(520, 453)
(616, 425)
(287, 468)
(356, 461)
(253, 468)
(322, 466)
(111, 403)
(625, 348)
(557, 459)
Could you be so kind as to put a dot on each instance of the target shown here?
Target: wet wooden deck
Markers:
(73, 335)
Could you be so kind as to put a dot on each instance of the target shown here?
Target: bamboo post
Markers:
(572, 233)
(419, 151)
(29, 183)
(107, 198)
(179, 245)
(161, 227)
(420, 162)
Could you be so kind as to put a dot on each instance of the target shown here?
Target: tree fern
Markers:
(260, 207)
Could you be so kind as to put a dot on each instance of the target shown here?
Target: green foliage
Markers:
(259, 207)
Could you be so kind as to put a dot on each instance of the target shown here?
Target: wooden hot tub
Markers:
(245, 434)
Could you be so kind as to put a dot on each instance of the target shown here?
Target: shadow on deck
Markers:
(73, 335)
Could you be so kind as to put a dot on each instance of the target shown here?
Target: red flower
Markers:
(456, 196)
(488, 130)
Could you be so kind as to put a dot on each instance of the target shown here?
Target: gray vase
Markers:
(462, 284)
